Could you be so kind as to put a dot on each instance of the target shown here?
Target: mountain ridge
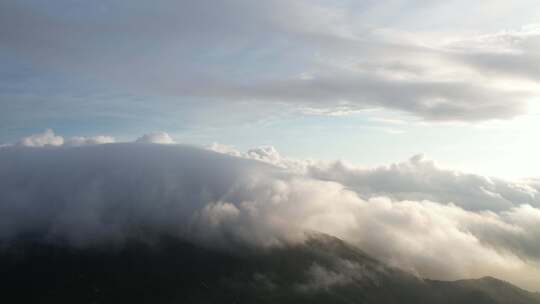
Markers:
(323, 269)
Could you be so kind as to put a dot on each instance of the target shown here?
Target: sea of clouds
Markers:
(415, 215)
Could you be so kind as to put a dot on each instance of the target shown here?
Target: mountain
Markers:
(324, 269)
(486, 290)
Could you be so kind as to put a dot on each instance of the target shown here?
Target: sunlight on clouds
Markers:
(415, 215)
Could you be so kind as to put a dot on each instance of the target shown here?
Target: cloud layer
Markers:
(421, 179)
(302, 54)
(155, 138)
(49, 138)
(97, 194)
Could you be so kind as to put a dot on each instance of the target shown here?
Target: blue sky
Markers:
(369, 82)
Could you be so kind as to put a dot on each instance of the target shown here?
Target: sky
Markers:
(259, 120)
(370, 82)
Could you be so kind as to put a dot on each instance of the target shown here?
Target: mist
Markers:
(95, 195)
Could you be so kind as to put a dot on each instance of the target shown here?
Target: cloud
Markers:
(505, 54)
(422, 179)
(47, 138)
(98, 194)
(322, 278)
(104, 192)
(155, 138)
(95, 140)
(433, 100)
(265, 154)
(416, 179)
(342, 272)
(162, 51)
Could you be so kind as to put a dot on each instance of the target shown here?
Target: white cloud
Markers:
(225, 149)
(95, 140)
(266, 154)
(422, 179)
(417, 179)
(47, 138)
(156, 138)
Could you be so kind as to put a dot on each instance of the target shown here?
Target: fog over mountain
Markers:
(276, 151)
(433, 222)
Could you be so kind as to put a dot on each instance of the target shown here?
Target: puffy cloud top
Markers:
(421, 179)
(155, 138)
(47, 138)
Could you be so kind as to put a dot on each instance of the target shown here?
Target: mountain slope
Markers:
(487, 290)
(321, 270)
